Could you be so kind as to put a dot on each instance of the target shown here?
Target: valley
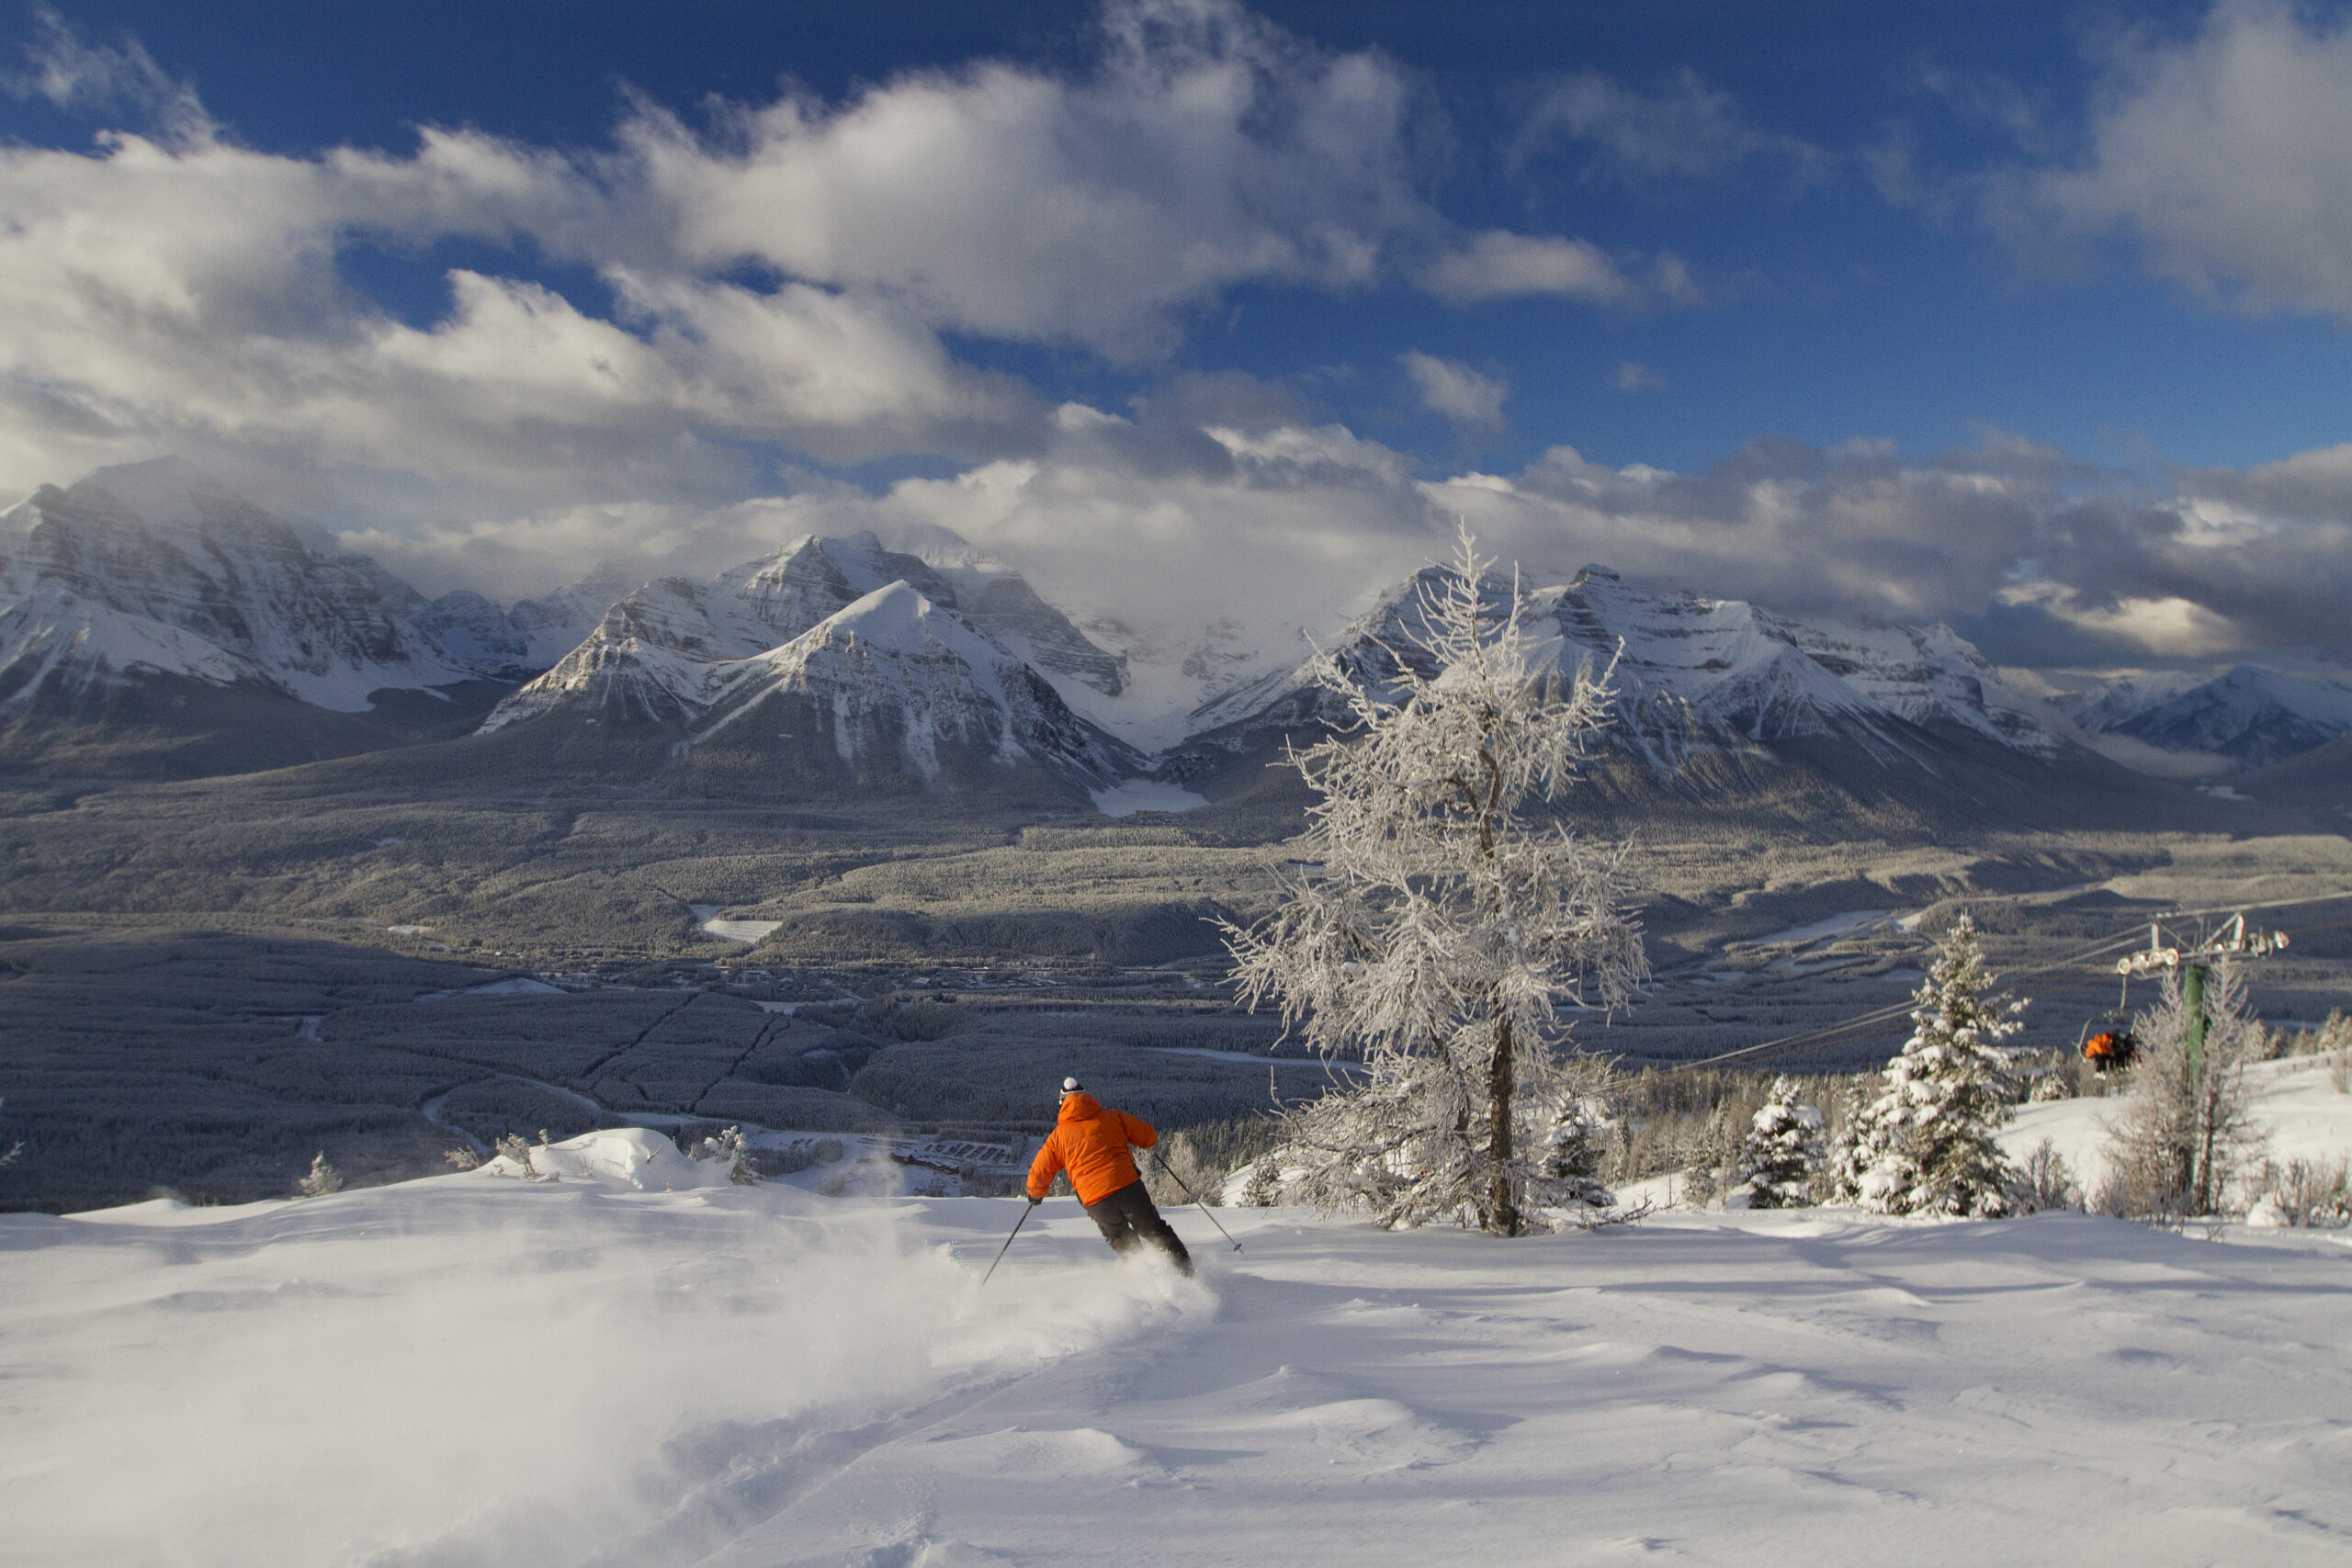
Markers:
(202, 984)
(295, 860)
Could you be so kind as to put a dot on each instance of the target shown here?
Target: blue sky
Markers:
(2031, 317)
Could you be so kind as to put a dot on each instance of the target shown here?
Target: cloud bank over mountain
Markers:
(676, 347)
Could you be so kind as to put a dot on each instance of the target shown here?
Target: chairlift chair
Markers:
(2107, 1042)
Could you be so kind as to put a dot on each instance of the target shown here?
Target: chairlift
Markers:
(2113, 1047)
(2107, 1042)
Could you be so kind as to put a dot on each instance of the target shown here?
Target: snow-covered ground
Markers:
(2291, 1098)
(1852, 922)
(481, 1369)
(750, 932)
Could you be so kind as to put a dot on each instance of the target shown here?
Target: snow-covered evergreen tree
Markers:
(1576, 1148)
(1782, 1151)
(1945, 1097)
(729, 1144)
(1443, 925)
(321, 1180)
(1862, 1140)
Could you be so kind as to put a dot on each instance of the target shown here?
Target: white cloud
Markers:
(785, 281)
(2306, 484)
(783, 286)
(2223, 155)
(1287, 526)
(1452, 388)
(1208, 149)
(1634, 376)
(187, 298)
(2166, 628)
(786, 284)
(1685, 131)
(1499, 264)
(72, 73)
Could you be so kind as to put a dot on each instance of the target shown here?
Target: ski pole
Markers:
(1193, 1195)
(1008, 1241)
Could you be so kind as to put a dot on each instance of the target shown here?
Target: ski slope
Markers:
(477, 1370)
(2292, 1099)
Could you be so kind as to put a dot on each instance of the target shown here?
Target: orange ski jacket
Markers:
(1091, 1143)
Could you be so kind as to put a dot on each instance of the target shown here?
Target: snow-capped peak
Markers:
(2254, 715)
(1693, 672)
(154, 568)
(897, 674)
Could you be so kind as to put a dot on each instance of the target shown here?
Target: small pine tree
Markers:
(1576, 1148)
(321, 1180)
(1946, 1095)
(1264, 1188)
(1709, 1153)
(730, 1146)
(1782, 1151)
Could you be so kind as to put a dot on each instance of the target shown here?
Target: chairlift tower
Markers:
(2233, 941)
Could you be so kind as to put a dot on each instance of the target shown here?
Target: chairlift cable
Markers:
(1861, 1022)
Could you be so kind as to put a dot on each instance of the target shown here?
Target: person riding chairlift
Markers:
(2110, 1049)
(1090, 1141)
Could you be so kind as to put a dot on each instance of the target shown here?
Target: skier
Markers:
(1089, 1141)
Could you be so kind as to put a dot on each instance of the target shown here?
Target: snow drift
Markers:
(478, 1369)
(475, 1370)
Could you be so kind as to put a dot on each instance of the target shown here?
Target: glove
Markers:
(1034, 1201)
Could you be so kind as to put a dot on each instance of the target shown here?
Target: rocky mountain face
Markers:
(152, 570)
(154, 622)
(877, 657)
(1691, 675)
(894, 676)
(2258, 716)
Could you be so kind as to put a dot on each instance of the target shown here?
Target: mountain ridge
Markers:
(150, 600)
(1687, 672)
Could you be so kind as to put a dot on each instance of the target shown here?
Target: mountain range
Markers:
(154, 621)
(1687, 672)
(2253, 715)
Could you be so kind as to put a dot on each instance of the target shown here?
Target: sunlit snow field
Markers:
(479, 1370)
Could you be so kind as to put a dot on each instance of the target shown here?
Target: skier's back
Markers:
(1090, 1141)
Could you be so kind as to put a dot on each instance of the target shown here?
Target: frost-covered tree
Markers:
(321, 1180)
(1946, 1095)
(1444, 924)
(1710, 1156)
(2044, 1181)
(1782, 1151)
(1264, 1188)
(2185, 1131)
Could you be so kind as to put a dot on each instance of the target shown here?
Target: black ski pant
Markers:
(1127, 1220)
